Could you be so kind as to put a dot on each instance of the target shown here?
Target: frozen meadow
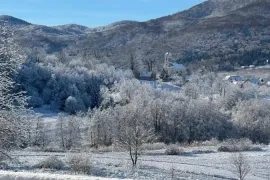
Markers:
(202, 162)
(4, 175)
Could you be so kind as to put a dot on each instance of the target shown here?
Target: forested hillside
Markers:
(118, 101)
(225, 32)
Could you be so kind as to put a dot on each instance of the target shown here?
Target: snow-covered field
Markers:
(5, 175)
(156, 165)
(49, 116)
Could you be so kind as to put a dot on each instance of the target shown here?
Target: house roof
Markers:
(234, 78)
(177, 66)
(146, 74)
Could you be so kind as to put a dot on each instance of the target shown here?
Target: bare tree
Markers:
(133, 64)
(172, 172)
(149, 62)
(133, 131)
(61, 130)
(240, 165)
(73, 132)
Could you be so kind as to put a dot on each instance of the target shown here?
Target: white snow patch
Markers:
(6, 175)
(49, 115)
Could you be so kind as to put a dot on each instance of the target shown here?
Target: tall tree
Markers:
(12, 103)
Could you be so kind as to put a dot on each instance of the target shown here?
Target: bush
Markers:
(53, 148)
(80, 163)
(212, 142)
(3, 165)
(33, 149)
(173, 150)
(224, 148)
(238, 146)
(104, 149)
(51, 162)
(3, 161)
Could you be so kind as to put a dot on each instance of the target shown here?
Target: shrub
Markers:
(3, 165)
(33, 149)
(173, 150)
(4, 158)
(238, 146)
(51, 162)
(212, 142)
(224, 148)
(53, 148)
(80, 163)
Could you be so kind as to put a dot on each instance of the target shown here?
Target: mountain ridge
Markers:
(13, 20)
(227, 31)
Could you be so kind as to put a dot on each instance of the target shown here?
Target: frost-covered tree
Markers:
(72, 105)
(73, 132)
(12, 103)
(164, 75)
(133, 130)
(61, 128)
(101, 127)
(240, 165)
(39, 132)
(253, 119)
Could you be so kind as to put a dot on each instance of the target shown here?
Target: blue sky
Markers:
(91, 13)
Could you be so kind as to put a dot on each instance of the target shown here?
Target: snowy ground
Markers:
(46, 113)
(5, 175)
(156, 165)
(168, 86)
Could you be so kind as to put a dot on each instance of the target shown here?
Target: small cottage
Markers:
(175, 68)
(234, 79)
(147, 76)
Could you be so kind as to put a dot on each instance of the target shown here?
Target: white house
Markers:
(147, 76)
(173, 67)
(234, 79)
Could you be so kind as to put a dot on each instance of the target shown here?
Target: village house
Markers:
(148, 76)
(173, 68)
(257, 81)
(234, 79)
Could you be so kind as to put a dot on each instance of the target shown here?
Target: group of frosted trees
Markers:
(206, 108)
(67, 85)
(12, 101)
(131, 114)
(108, 106)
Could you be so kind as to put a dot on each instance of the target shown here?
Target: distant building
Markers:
(162, 85)
(252, 66)
(188, 78)
(173, 68)
(234, 79)
(257, 81)
(244, 67)
(147, 76)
